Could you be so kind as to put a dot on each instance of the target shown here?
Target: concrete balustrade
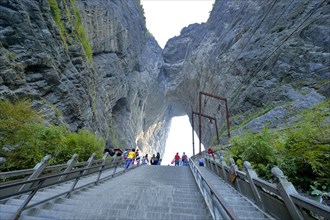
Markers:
(280, 200)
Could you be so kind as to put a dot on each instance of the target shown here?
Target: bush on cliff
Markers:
(25, 140)
(301, 150)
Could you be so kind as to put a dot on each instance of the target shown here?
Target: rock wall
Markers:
(270, 57)
(267, 58)
(127, 62)
(120, 95)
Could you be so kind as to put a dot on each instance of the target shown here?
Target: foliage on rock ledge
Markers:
(25, 140)
(74, 18)
(301, 150)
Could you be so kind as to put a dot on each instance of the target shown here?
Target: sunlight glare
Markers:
(180, 139)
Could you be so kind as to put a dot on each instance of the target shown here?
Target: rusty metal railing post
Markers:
(210, 118)
(193, 130)
(200, 122)
(228, 124)
(216, 131)
(227, 112)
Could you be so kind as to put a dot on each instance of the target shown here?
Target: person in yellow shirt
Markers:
(130, 158)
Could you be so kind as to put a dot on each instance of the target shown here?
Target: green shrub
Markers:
(25, 140)
(14, 118)
(74, 18)
(301, 150)
(56, 14)
(307, 148)
(258, 149)
(81, 33)
(85, 143)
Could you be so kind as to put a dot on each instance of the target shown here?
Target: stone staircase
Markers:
(148, 192)
(241, 206)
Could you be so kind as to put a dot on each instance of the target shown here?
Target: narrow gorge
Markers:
(92, 64)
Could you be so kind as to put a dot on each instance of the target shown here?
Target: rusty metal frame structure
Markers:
(200, 115)
(193, 127)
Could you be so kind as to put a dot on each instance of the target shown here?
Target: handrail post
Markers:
(251, 174)
(27, 200)
(116, 162)
(101, 168)
(90, 162)
(69, 164)
(38, 168)
(217, 166)
(285, 189)
(223, 164)
(233, 175)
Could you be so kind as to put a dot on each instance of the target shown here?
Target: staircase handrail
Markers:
(311, 205)
(39, 179)
(25, 172)
(279, 200)
(217, 202)
(54, 179)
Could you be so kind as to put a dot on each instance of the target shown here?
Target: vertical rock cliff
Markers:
(119, 94)
(268, 58)
(91, 64)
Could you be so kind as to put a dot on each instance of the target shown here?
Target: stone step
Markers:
(241, 206)
(9, 209)
(111, 214)
(50, 214)
(26, 217)
(161, 192)
(249, 214)
(6, 215)
(14, 202)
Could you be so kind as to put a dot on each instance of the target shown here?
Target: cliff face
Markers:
(127, 62)
(267, 58)
(120, 95)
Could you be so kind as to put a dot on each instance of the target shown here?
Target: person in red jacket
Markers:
(210, 151)
(176, 159)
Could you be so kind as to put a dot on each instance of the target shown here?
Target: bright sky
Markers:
(166, 18)
(180, 139)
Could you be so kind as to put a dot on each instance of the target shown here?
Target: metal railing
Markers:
(280, 200)
(217, 206)
(42, 177)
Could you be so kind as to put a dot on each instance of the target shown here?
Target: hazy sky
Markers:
(166, 18)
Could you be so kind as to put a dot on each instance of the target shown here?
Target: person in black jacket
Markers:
(153, 160)
(158, 158)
